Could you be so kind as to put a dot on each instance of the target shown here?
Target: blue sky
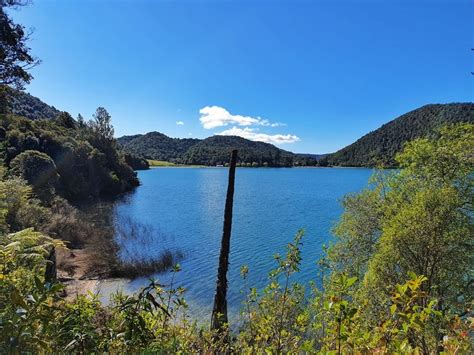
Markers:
(310, 76)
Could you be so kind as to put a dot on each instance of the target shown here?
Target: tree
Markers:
(418, 220)
(358, 231)
(80, 121)
(15, 57)
(38, 169)
(102, 124)
(323, 162)
(382, 145)
(65, 119)
(18, 209)
(101, 133)
(427, 219)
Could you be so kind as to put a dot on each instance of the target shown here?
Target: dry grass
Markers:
(147, 267)
(98, 250)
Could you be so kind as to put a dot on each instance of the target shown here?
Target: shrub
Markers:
(38, 169)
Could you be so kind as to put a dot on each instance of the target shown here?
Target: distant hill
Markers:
(314, 156)
(215, 150)
(157, 146)
(26, 105)
(210, 151)
(381, 145)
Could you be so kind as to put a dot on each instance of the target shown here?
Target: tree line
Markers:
(381, 146)
(79, 160)
(212, 151)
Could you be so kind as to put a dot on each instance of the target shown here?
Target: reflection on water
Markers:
(185, 207)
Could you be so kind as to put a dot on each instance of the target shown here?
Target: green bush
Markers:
(38, 169)
(87, 164)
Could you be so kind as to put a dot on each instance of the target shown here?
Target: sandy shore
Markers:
(73, 268)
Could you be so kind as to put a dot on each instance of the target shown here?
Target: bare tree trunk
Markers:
(50, 274)
(219, 312)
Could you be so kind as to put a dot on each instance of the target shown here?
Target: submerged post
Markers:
(219, 312)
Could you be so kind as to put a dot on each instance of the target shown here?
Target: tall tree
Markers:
(101, 132)
(419, 220)
(15, 57)
(219, 312)
(102, 124)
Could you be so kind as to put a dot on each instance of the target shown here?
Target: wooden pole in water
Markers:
(219, 312)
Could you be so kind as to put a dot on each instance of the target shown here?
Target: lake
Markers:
(184, 207)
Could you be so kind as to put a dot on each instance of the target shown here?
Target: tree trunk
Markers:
(219, 312)
(50, 274)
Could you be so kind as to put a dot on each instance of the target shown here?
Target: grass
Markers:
(155, 163)
(130, 243)
(146, 267)
(167, 164)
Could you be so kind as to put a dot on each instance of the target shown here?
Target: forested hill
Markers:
(215, 150)
(25, 105)
(381, 145)
(210, 151)
(155, 145)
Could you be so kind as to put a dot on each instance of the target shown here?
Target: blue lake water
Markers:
(184, 208)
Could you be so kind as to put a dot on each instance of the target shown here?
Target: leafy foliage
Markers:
(396, 281)
(280, 318)
(381, 146)
(277, 318)
(215, 151)
(38, 169)
(417, 220)
(156, 146)
(80, 162)
(135, 162)
(15, 57)
(25, 105)
(19, 209)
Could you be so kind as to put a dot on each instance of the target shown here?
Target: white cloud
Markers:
(179, 123)
(251, 134)
(277, 124)
(215, 116)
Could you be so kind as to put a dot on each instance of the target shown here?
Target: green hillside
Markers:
(157, 146)
(210, 151)
(215, 150)
(381, 145)
(25, 105)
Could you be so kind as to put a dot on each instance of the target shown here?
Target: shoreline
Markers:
(73, 269)
(258, 167)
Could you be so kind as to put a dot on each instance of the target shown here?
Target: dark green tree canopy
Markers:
(381, 146)
(66, 120)
(37, 168)
(85, 169)
(101, 124)
(211, 151)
